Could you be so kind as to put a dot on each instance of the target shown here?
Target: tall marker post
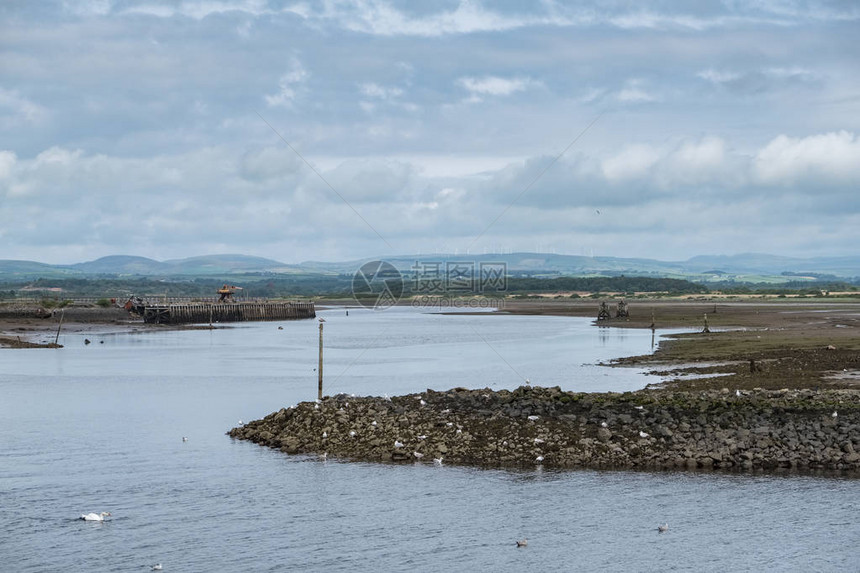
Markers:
(320, 366)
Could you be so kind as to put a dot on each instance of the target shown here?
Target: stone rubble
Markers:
(646, 429)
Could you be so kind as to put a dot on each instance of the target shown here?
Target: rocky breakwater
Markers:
(531, 425)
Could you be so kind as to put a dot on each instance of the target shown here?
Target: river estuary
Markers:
(99, 427)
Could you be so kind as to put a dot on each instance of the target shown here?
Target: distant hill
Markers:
(747, 267)
(750, 267)
(122, 265)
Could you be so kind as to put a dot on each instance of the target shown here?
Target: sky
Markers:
(346, 129)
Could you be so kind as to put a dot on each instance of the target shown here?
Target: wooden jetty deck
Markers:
(204, 313)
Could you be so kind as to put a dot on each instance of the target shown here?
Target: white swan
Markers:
(95, 516)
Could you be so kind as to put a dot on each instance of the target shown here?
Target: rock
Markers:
(604, 434)
(683, 429)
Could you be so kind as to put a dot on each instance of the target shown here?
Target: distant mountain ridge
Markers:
(750, 267)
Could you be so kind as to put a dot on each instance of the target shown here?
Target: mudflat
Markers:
(750, 344)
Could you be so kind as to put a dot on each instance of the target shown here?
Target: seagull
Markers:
(387, 397)
(241, 423)
(422, 436)
(324, 456)
(325, 435)
(539, 459)
(459, 431)
(643, 434)
(321, 319)
(449, 424)
(184, 438)
(446, 411)
(156, 567)
(663, 528)
(834, 414)
(639, 407)
(423, 403)
(604, 425)
(533, 418)
(418, 455)
(523, 543)
(95, 516)
(738, 393)
(352, 433)
(437, 461)
(373, 423)
(538, 441)
(528, 382)
(398, 444)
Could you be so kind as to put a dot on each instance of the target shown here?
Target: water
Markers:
(99, 428)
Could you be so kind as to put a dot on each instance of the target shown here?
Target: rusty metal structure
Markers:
(227, 292)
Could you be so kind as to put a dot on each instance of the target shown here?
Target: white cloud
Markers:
(200, 9)
(7, 162)
(495, 86)
(821, 158)
(634, 92)
(370, 89)
(288, 86)
(633, 162)
(718, 77)
(15, 108)
(379, 17)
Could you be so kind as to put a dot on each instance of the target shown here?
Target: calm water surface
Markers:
(98, 428)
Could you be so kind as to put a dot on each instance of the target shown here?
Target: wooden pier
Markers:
(205, 313)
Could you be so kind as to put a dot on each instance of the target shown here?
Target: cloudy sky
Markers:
(340, 129)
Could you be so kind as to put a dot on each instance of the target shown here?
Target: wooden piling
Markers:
(227, 312)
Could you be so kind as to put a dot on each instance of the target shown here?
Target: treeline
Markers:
(340, 286)
(791, 287)
(604, 284)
